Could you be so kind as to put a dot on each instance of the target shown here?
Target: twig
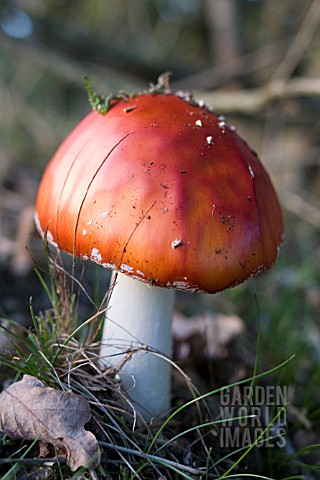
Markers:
(154, 458)
(64, 66)
(264, 57)
(255, 100)
(300, 44)
(61, 461)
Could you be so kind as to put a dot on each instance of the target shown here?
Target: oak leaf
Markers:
(30, 410)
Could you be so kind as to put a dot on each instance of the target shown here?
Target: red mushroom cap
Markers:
(163, 190)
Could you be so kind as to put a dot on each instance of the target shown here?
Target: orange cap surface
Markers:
(163, 190)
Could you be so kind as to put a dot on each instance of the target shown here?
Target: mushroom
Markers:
(165, 193)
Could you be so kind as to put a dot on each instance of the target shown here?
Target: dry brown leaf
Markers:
(210, 332)
(29, 410)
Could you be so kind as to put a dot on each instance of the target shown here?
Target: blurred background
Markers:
(257, 62)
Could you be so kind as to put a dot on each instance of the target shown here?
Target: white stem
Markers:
(140, 314)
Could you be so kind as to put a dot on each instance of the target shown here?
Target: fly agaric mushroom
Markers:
(165, 193)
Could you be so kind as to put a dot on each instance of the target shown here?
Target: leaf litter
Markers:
(29, 410)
